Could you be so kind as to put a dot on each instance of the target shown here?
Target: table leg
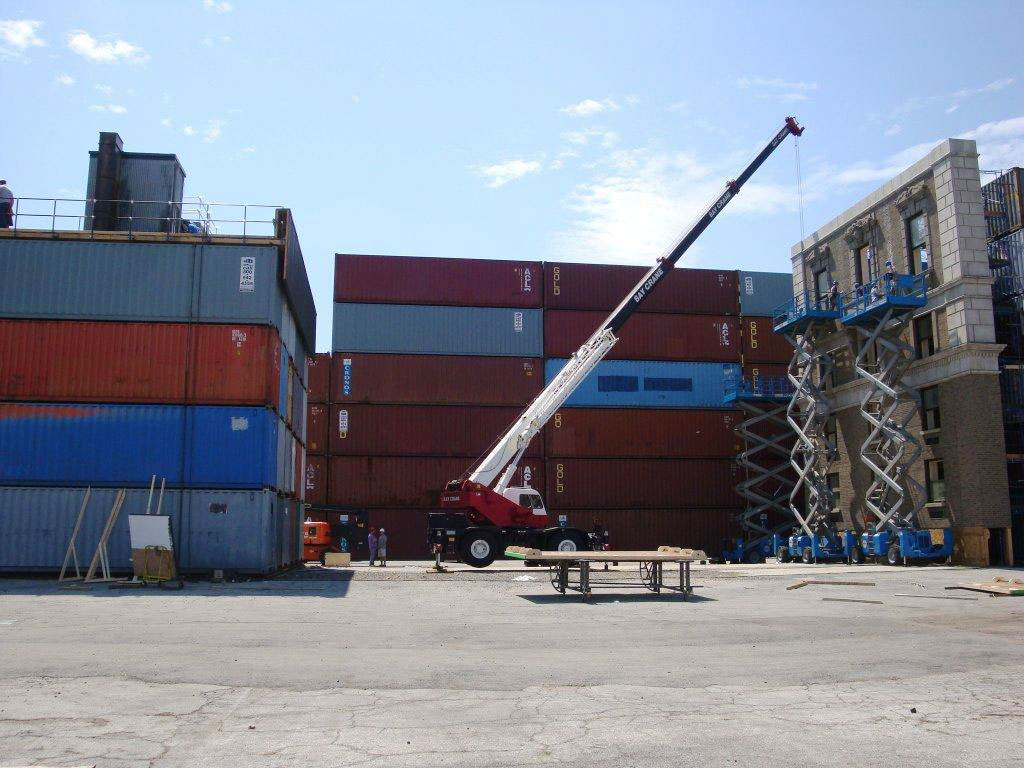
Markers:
(585, 577)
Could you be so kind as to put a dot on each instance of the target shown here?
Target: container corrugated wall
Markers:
(762, 292)
(647, 336)
(638, 384)
(421, 280)
(124, 445)
(247, 531)
(440, 379)
(761, 344)
(318, 377)
(419, 430)
(604, 286)
(647, 529)
(639, 432)
(640, 483)
(385, 481)
(405, 328)
(317, 431)
(316, 480)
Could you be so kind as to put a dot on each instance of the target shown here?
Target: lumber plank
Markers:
(851, 600)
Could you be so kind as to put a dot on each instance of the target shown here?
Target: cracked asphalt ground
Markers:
(399, 668)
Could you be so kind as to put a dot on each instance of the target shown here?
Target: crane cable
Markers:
(799, 186)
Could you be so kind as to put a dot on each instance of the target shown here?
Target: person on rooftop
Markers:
(6, 205)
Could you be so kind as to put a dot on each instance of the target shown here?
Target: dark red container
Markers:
(455, 282)
(647, 336)
(761, 344)
(419, 430)
(437, 379)
(646, 529)
(406, 530)
(318, 377)
(317, 428)
(382, 481)
(316, 479)
(640, 483)
(604, 286)
(166, 363)
(641, 432)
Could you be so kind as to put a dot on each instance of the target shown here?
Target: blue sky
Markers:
(581, 131)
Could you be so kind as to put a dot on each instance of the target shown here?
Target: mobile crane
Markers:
(485, 513)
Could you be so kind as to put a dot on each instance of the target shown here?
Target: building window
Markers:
(935, 481)
(930, 417)
(832, 434)
(833, 486)
(924, 339)
(865, 264)
(820, 286)
(917, 243)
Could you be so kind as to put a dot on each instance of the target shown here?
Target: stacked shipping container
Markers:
(120, 360)
(433, 358)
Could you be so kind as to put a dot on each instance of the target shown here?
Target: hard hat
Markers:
(382, 530)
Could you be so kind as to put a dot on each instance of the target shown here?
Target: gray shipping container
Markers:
(762, 292)
(172, 282)
(248, 531)
(403, 328)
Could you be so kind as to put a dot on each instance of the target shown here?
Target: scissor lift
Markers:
(880, 313)
(766, 436)
(806, 321)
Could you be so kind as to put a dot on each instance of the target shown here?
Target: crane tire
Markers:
(478, 548)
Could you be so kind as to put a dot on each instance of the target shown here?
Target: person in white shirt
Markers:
(6, 205)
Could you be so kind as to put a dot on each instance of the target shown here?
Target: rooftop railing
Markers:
(191, 216)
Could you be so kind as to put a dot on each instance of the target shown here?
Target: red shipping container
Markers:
(641, 432)
(604, 286)
(647, 336)
(761, 343)
(317, 423)
(646, 529)
(419, 430)
(316, 480)
(640, 483)
(235, 365)
(298, 469)
(318, 377)
(438, 379)
(107, 362)
(384, 481)
(455, 282)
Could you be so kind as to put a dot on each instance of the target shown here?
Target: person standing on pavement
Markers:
(6, 205)
(382, 548)
(371, 542)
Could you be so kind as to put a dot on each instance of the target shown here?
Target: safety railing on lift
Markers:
(803, 305)
(190, 216)
(903, 290)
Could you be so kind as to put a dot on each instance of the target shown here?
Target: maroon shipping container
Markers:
(646, 529)
(317, 428)
(604, 286)
(437, 379)
(647, 336)
(640, 483)
(298, 469)
(318, 377)
(166, 363)
(455, 282)
(641, 432)
(406, 530)
(384, 481)
(419, 430)
(316, 479)
(761, 344)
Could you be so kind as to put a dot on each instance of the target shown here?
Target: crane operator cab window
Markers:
(532, 501)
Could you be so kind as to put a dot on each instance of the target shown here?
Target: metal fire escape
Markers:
(766, 437)
(806, 321)
(880, 313)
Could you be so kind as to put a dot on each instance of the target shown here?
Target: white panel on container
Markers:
(149, 531)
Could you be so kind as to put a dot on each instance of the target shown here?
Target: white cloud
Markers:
(589, 107)
(213, 130)
(582, 137)
(995, 85)
(952, 109)
(678, 107)
(84, 44)
(915, 103)
(18, 35)
(217, 6)
(188, 130)
(106, 90)
(893, 129)
(249, 150)
(1000, 143)
(116, 109)
(165, 122)
(64, 79)
(500, 174)
(632, 99)
(561, 157)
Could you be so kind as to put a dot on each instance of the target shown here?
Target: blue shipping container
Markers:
(248, 531)
(436, 330)
(646, 384)
(762, 292)
(124, 445)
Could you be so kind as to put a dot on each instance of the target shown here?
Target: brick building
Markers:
(929, 219)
